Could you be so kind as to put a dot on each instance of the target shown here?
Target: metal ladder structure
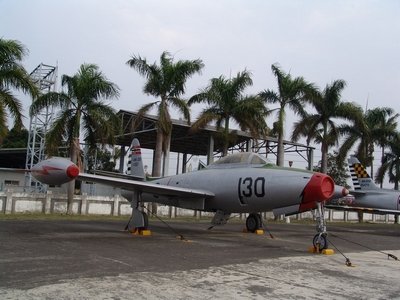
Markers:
(45, 78)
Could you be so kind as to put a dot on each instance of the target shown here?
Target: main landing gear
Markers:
(139, 221)
(254, 222)
(320, 241)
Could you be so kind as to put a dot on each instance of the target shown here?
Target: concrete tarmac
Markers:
(97, 259)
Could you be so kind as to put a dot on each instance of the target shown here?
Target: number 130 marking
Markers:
(247, 187)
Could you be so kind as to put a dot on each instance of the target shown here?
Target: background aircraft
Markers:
(239, 183)
(367, 196)
(52, 171)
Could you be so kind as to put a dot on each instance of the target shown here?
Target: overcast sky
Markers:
(358, 41)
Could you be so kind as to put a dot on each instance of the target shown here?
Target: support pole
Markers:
(210, 154)
(310, 154)
(122, 159)
(166, 157)
(184, 163)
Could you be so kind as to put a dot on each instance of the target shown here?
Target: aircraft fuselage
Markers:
(380, 199)
(238, 189)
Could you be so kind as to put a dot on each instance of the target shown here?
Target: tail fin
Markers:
(359, 175)
(135, 163)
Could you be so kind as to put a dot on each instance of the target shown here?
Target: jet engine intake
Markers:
(320, 188)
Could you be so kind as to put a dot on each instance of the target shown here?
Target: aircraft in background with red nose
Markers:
(239, 183)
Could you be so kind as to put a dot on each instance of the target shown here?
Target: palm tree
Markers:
(377, 126)
(82, 111)
(358, 131)
(320, 126)
(166, 82)
(385, 129)
(292, 92)
(391, 163)
(13, 76)
(227, 102)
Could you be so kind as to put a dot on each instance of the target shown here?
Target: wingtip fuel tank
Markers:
(55, 171)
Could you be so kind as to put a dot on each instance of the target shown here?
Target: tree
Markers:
(358, 131)
(101, 158)
(16, 138)
(385, 129)
(227, 102)
(377, 126)
(13, 76)
(82, 111)
(292, 92)
(391, 163)
(334, 169)
(320, 126)
(167, 83)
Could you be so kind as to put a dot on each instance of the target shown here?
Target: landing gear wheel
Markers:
(253, 222)
(320, 242)
(138, 218)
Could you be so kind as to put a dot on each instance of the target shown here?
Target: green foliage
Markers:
(377, 127)
(81, 109)
(227, 102)
(15, 138)
(292, 93)
(336, 170)
(13, 76)
(166, 82)
(101, 159)
(391, 163)
(321, 126)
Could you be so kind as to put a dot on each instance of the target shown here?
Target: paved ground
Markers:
(96, 259)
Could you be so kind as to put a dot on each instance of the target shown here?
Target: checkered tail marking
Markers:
(357, 171)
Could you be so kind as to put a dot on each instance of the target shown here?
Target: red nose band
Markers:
(72, 171)
(319, 188)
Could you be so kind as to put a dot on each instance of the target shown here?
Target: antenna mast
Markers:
(45, 78)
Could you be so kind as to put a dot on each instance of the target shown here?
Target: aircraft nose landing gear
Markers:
(320, 241)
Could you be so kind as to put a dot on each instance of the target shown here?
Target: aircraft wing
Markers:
(364, 209)
(146, 187)
(116, 175)
(14, 170)
(358, 192)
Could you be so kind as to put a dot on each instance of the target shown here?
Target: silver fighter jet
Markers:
(239, 183)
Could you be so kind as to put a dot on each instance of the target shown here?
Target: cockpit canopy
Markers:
(240, 159)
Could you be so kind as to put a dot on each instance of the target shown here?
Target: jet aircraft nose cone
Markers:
(339, 192)
(72, 171)
(320, 188)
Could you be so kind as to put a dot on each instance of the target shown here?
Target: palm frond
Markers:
(50, 99)
(207, 116)
(141, 113)
(140, 65)
(182, 107)
(13, 105)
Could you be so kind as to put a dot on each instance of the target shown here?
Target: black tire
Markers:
(323, 242)
(260, 222)
(253, 222)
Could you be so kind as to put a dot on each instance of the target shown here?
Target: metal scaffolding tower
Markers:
(45, 77)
